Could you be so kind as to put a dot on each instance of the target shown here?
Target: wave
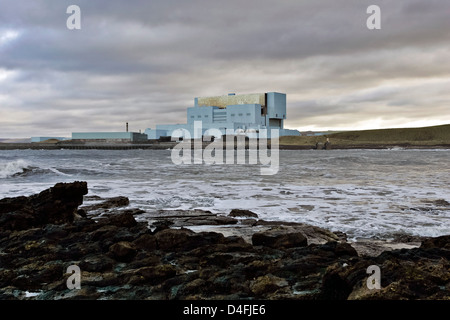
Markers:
(21, 168)
(12, 168)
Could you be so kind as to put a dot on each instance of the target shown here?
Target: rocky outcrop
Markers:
(56, 205)
(122, 258)
(280, 237)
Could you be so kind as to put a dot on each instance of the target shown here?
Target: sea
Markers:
(364, 193)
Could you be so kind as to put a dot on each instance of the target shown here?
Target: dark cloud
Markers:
(145, 61)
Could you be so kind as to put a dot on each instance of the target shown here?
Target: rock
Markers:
(185, 240)
(56, 205)
(267, 284)
(313, 234)
(146, 242)
(280, 237)
(124, 219)
(109, 203)
(96, 263)
(242, 213)
(172, 239)
(438, 242)
(344, 249)
(155, 274)
(122, 251)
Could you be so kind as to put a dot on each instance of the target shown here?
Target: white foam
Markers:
(10, 168)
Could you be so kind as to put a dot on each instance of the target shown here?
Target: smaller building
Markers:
(40, 139)
(109, 137)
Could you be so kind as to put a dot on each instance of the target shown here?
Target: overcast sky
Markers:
(145, 61)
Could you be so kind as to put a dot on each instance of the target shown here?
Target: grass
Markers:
(426, 136)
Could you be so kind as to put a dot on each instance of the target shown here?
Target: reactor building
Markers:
(246, 112)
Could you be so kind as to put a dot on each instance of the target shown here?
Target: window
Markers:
(206, 116)
(199, 116)
(232, 114)
(192, 117)
(240, 114)
(249, 114)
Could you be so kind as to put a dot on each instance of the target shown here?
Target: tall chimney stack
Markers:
(127, 126)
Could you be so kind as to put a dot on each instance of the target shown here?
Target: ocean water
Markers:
(365, 193)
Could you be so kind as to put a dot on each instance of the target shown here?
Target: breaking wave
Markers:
(21, 168)
(12, 168)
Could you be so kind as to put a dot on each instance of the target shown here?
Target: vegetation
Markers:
(426, 136)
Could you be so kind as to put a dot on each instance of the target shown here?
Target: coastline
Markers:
(193, 254)
(170, 145)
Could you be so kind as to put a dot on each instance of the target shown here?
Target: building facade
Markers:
(247, 112)
(109, 136)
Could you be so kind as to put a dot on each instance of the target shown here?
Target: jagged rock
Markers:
(146, 242)
(155, 274)
(185, 239)
(109, 203)
(267, 284)
(438, 242)
(55, 205)
(242, 213)
(123, 251)
(279, 238)
(123, 219)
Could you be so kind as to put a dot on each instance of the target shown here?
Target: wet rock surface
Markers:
(186, 255)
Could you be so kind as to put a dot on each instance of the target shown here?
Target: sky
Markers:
(144, 62)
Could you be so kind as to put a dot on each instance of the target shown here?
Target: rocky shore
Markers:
(198, 255)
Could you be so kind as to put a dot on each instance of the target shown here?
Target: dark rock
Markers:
(267, 284)
(438, 242)
(342, 249)
(109, 203)
(173, 239)
(155, 274)
(96, 263)
(123, 251)
(279, 238)
(56, 205)
(161, 225)
(242, 213)
(146, 242)
(185, 240)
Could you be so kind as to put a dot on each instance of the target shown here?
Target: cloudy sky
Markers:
(145, 61)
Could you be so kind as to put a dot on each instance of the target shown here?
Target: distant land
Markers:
(436, 136)
(20, 140)
(425, 137)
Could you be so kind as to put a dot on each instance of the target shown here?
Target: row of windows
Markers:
(233, 114)
(240, 114)
(199, 116)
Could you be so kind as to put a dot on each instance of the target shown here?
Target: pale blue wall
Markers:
(40, 139)
(132, 136)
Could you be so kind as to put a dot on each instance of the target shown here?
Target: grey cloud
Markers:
(146, 61)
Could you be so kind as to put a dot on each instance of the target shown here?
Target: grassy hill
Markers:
(426, 136)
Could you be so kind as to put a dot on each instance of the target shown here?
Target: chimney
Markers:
(127, 126)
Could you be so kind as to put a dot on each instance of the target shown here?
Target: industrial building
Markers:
(41, 139)
(109, 137)
(248, 112)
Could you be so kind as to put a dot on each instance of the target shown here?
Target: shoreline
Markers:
(170, 145)
(195, 254)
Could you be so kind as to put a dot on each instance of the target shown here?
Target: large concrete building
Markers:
(247, 112)
(109, 136)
